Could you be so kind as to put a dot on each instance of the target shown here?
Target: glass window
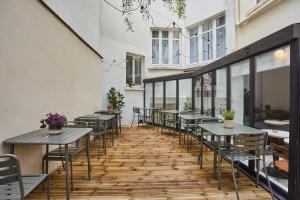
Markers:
(165, 47)
(158, 95)
(221, 37)
(197, 93)
(220, 91)
(185, 94)
(207, 40)
(176, 47)
(240, 91)
(171, 94)
(134, 69)
(207, 93)
(129, 69)
(194, 45)
(148, 95)
(155, 47)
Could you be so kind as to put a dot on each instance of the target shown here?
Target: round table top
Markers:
(277, 133)
(276, 122)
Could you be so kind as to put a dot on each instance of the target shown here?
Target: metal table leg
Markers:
(88, 155)
(67, 172)
(219, 162)
(12, 148)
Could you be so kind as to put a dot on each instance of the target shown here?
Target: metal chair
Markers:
(58, 154)
(137, 113)
(243, 146)
(14, 185)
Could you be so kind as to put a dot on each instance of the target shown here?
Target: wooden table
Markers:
(41, 137)
(218, 130)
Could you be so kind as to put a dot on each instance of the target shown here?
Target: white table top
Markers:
(276, 122)
(277, 133)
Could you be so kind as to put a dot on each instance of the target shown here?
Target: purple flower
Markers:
(54, 121)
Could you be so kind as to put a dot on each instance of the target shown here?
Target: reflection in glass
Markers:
(170, 94)
(158, 95)
(148, 95)
(207, 93)
(220, 91)
(197, 93)
(240, 91)
(185, 94)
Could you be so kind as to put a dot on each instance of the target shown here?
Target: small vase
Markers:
(228, 123)
(55, 131)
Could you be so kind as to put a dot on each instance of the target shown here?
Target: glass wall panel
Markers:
(207, 93)
(197, 93)
(272, 107)
(149, 95)
(185, 94)
(220, 91)
(159, 95)
(240, 91)
(171, 94)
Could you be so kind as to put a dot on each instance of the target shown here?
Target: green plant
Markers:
(130, 83)
(188, 105)
(116, 98)
(228, 114)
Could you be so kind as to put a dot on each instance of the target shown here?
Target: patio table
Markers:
(218, 130)
(101, 117)
(42, 137)
(194, 117)
(150, 112)
(117, 113)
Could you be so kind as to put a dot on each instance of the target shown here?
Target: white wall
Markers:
(44, 68)
(82, 16)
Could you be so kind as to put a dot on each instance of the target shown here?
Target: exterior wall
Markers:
(270, 16)
(44, 68)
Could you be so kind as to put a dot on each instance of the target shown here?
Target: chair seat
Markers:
(282, 164)
(238, 156)
(97, 132)
(214, 144)
(12, 190)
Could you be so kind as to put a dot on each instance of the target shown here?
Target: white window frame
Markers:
(134, 57)
(170, 46)
(214, 43)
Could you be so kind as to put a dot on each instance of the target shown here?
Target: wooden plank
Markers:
(145, 164)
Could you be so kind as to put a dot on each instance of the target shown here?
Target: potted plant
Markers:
(116, 99)
(130, 83)
(228, 118)
(55, 123)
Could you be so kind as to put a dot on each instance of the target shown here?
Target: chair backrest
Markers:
(250, 142)
(281, 151)
(212, 120)
(76, 124)
(136, 110)
(9, 173)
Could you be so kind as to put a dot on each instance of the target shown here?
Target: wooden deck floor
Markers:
(145, 164)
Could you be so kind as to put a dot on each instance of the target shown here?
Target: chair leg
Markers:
(132, 120)
(234, 181)
(267, 176)
(257, 171)
(48, 189)
(71, 170)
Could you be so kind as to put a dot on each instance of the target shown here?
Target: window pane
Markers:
(194, 45)
(155, 34)
(158, 95)
(165, 34)
(138, 71)
(148, 95)
(129, 70)
(221, 41)
(176, 35)
(221, 91)
(272, 105)
(155, 51)
(220, 21)
(165, 51)
(240, 91)
(170, 94)
(207, 93)
(207, 40)
(197, 93)
(207, 26)
(175, 51)
(185, 94)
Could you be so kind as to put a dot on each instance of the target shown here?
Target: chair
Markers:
(280, 157)
(243, 144)
(58, 154)
(137, 113)
(14, 185)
